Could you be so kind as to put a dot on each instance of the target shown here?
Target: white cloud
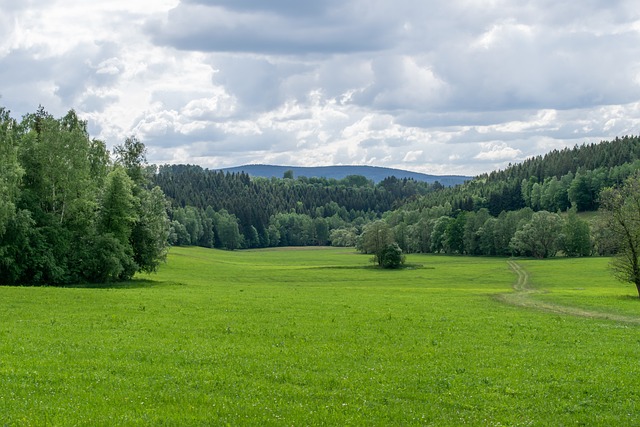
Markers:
(498, 152)
(441, 87)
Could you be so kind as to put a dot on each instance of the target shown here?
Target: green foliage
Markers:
(111, 259)
(375, 239)
(132, 156)
(621, 209)
(438, 234)
(117, 211)
(575, 239)
(551, 182)
(150, 230)
(345, 237)
(294, 229)
(288, 174)
(10, 172)
(228, 231)
(392, 256)
(258, 202)
(17, 248)
(356, 181)
(539, 237)
(455, 234)
(66, 214)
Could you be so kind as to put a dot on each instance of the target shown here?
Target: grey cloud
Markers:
(256, 82)
(413, 57)
(223, 27)
(392, 143)
(21, 65)
(85, 66)
(281, 7)
(564, 60)
(225, 151)
(449, 119)
(10, 9)
(171, 137)
(560, 72)
(402, 83)
(429, 84)
(265, 83)
(95, 102)
(166, 128)
(29, 70)
(22, 76)
(340, 75)
(176, 99)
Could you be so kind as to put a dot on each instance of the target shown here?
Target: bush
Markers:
(392, 256)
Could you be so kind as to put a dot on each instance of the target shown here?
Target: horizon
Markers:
(332, 166)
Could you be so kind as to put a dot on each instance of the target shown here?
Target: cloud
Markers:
(402, 83)
(497, 152)
(281, 27)
(257, 83)
(56, 81)
(440, 87)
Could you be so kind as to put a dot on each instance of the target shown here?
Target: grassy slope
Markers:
(583, 282)
(311, 337)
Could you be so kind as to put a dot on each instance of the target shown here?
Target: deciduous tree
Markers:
(576, 236)
(621, 210)
(392, 256)
(375, 238)
(540, 236)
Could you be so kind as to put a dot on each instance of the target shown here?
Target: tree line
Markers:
(528, 209)
(522, 232)
(70, 213)
(232, 210)
(518, 211)
(559, 179)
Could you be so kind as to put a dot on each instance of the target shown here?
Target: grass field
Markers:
(317, 337)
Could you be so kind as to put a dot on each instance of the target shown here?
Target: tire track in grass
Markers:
(524, 291)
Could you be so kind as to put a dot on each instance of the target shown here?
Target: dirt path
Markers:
(524, 291)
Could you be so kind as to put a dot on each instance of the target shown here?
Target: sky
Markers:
(433, 86)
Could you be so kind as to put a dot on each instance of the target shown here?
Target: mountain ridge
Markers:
(374, 173)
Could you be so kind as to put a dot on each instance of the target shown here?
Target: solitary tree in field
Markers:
(621, 209)
(392, 256)
(377, 239)
(374, 240)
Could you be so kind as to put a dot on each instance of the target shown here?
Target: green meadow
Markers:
(319, 337)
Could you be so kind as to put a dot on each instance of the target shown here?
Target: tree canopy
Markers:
(621, 208)
(68, 213)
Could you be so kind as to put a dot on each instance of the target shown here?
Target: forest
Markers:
(534, 208)
(71, 211)
(232, 210)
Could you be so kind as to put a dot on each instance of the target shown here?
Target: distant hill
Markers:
(374, 173)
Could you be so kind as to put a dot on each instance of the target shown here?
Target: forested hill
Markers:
(256, 202)
(554, 181)
(233, 210)
(70, 211)
(374, 173)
